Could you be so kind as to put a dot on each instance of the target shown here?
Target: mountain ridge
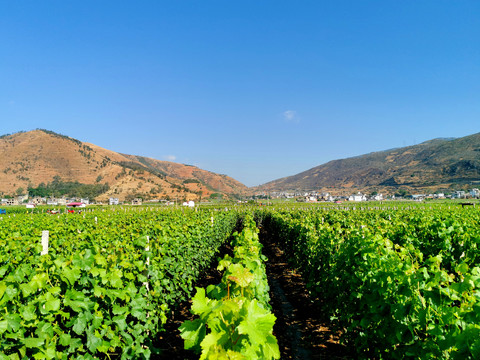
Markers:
(35, 157)
(431, 165)
(38, 156)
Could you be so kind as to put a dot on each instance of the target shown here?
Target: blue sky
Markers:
(256, 90)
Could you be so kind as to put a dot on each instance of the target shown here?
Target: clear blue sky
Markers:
(256, 90)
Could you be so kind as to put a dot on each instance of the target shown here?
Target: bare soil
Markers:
(302, 329)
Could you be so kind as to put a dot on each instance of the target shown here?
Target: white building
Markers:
(418, 197)
(137, 201)
(37, 200)
(22, 198)
(460, 194)
(189, 203)
(475, 193)
(113, 201)
(10, 201)
(357, 197)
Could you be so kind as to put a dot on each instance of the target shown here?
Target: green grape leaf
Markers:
(3, 326)
(257, 324)
(209, 345)
(28, 313)
(39, 281)
(80, 323)
(65, 339)
(200, 303)
(33, 342)
(115, 278)
(270, 348)
(93, 341)
(27, 289)
(52, 304)
(100, 260)
(71, 274)
(121, 322)
(14, 321)
(3, 287)
(193, 333)
(240, 275)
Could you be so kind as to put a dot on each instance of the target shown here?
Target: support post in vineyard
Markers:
(147, 248)
(45, 236)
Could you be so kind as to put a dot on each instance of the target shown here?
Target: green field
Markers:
(399, 280)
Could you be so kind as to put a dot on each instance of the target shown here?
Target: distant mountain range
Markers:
(437, 164)
(35, 158)
(28, 159)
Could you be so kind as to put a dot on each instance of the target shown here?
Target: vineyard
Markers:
(107, 283)
(395, 282)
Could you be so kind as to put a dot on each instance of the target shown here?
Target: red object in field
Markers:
(75, 204)
(71, 211)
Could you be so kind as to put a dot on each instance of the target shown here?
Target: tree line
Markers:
(58, 188)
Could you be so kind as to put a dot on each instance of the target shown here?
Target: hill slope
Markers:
(432, 165)
(30, 158)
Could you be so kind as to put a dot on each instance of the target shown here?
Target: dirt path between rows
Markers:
(302, 329)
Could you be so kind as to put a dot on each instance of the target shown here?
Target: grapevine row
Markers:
(397, 284)
(234, 319)
(107, 283)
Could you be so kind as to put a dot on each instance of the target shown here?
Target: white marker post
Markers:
(45, 235)
(147, 263)
(147, 286)
(148, 249)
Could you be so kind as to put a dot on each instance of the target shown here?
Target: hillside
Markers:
(28, 159)
(433, 165)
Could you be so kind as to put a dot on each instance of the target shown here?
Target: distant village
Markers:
(311, 197)
(32, 202)
(53, 201)
(314, 196)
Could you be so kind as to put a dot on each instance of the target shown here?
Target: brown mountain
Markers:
(433, 165)
(28, 159)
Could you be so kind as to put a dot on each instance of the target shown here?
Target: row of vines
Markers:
(234, 317)
(107, 284)
(397, 283)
